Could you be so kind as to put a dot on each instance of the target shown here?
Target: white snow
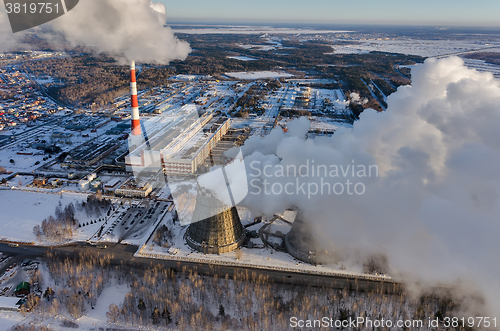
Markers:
(22, 210)
(112, 294)
(9, 319)
(412, 46)
(250, 30)
(242, 58)
(258, 74)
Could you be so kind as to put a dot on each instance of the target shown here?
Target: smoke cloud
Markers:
(8, 40)
(124, 29)
(356, 98)
(432, 206)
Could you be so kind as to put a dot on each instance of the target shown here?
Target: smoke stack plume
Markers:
(103, 27)
(136, 122)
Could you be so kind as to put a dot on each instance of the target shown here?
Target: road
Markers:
(124, 254)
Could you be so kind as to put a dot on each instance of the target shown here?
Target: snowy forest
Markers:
(166, 299)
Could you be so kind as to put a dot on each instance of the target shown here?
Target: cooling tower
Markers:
(303, 245)
(136, 122)
(217, 234)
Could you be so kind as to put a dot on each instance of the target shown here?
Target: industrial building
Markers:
(61, 135)
(91, 153)
(134, 189)
(40, 181)
(112, 184)
(179, 149)
(303, 97)
(216, 234)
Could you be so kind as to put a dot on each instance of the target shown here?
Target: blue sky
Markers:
(407, 12)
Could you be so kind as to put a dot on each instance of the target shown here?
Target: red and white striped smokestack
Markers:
(136, 121)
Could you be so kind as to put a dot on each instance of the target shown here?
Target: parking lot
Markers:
(14, 269)
(135, 221)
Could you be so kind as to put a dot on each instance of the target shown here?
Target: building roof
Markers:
(23, 286)
(8, 303)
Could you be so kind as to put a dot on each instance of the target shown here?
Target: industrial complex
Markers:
(177, 132)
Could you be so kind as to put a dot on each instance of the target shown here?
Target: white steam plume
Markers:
(8, 40)
(434, 210)
(124, 29)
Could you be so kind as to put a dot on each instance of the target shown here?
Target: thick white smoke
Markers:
(434, 208)
(124, 29)
(8, 40)
(356, 98)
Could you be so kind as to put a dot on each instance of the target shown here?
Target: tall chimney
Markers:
(136, 122)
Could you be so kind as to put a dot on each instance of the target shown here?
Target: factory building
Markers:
(40, 181)
(216, 234)
(182, 150)
(61, 135)
(303, 97)
(134, 189)
(112, 184)
(92, 152)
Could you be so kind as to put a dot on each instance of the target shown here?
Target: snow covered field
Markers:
(8, 319)
(224, 29)
(482, 66)
(242, 58)
(258, 74)
(22, 210)
(113, 294)
(413, 47)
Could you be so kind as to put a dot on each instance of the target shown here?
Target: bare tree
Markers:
(113, 313)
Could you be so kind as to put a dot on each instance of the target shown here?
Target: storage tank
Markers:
(95, 185)
(84, 185)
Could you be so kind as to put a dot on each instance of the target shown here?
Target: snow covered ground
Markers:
(22, 210)
(258, 74)
(115, 293)
(221, 29)
(8, 319)
(94, 319)
(413, 47)
(242, 58)
(263, 48)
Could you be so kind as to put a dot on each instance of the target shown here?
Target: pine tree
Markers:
(166, 315)
(48, 293)
(141, 305)
(155, 315)
(221, 310)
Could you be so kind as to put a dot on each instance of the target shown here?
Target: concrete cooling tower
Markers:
(303, 245)
(217, 234)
